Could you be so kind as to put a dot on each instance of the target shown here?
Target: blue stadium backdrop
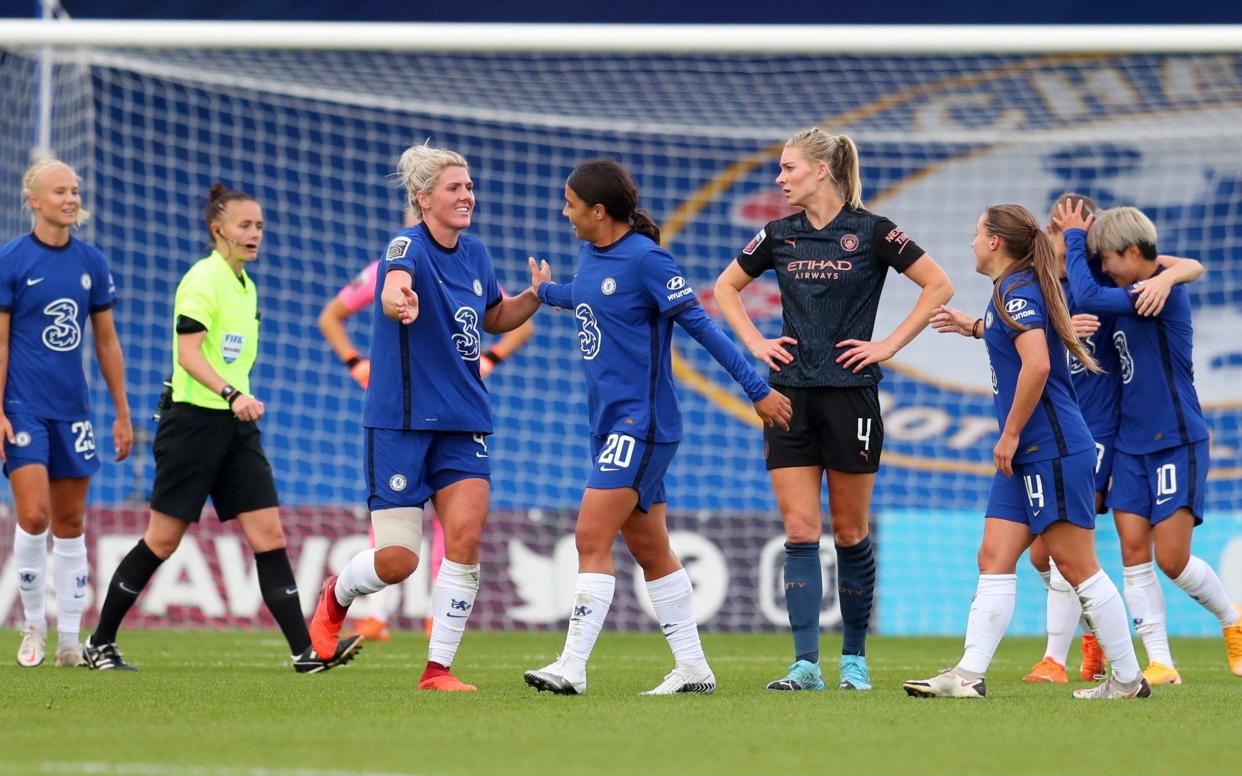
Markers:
(315, 136)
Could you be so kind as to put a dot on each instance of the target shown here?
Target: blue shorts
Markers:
(621, 461)
(65, 447)
(1041, 493)
(1155, 485)
(406, 468)
(1104, 453)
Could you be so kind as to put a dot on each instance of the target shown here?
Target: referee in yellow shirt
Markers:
(208, 440)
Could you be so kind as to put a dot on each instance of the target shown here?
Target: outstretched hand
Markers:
(407, 305)
(950, 320)
(540, 273)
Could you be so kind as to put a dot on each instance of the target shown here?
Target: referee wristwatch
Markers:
(229, 394)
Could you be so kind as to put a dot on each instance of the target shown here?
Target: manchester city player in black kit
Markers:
(831, 261)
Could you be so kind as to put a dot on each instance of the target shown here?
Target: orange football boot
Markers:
(1094, 666)
(1047, 670)
(437, 677)
(372, 629)
(325, 627)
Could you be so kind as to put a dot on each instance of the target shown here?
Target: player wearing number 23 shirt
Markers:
(51, 285)
(50, 292)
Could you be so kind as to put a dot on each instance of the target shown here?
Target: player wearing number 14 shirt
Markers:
(625, 296)
(51, 283)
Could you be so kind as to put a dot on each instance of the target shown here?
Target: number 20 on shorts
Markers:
(618, 451)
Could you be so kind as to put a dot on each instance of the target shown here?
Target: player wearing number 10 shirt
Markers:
(625, 296)
(1161, 463)
(426, 414)
(51, 283)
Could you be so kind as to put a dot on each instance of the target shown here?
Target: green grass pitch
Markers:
(222, 704)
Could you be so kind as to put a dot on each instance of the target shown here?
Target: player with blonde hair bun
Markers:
(51, 285)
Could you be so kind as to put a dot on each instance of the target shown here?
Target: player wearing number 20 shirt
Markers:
(626, 294)
(625, 297)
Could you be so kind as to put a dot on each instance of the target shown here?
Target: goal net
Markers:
(315, 134)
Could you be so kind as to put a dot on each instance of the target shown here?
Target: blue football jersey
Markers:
(624, 297)
(1159, 403)
(1099, 393)
(425, 375)
(1056, 428)
(50, 292)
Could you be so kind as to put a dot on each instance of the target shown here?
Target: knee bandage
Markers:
(400, 527)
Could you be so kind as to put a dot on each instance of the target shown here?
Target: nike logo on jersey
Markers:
(1036, 512)
(291, 591)
(125, 589)
(1164, 500)
(456, 616)
(609, 469)
(480, 455)
(88, 456)
(33, 281)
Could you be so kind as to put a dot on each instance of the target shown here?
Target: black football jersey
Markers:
(830, 281)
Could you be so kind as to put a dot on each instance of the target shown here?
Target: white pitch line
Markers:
(160, 769)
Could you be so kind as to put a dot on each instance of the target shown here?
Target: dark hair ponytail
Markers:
(1031, 249)
(605, 182)
(218, 199)
(644, 225)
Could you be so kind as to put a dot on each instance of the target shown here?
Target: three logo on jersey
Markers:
(589, 337)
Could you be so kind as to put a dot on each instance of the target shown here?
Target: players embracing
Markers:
(1161, 464)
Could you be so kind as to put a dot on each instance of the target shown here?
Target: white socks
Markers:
(1064, 612)
(1106, 613)
(72, 573)
(1201, 583)
(452, 601)
(358, 578)
(592, 597)
(672, 597)
(30, 557)
(1145, 600)
(990, 614)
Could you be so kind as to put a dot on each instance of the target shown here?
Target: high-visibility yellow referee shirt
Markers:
(212, 295)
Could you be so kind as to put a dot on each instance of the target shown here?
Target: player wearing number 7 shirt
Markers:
(427, 414)
(1161, 463)
(626, 294)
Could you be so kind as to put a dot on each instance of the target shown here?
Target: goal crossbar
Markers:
(625, 38)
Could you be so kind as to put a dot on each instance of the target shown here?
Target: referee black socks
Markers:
(280, 593)
(132, 575)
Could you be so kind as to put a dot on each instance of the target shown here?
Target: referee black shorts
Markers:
(835, 428)
(202, 452)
